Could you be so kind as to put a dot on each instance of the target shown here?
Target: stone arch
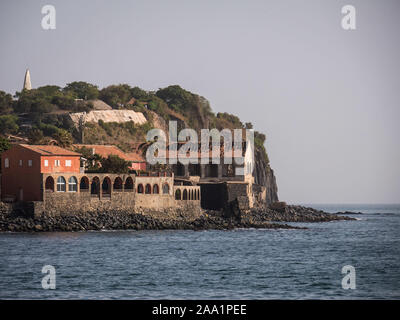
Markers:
(165, 188)
(84, 184)
(117, 186)
(95, 186)
(178, 194)
(147, 189)
(72, 184)
(49, 184)
(128, 184)
(140, 188)
(156, 189)
(61, 184)
(185, 195)
(106, 186)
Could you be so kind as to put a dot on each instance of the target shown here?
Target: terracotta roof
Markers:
(46, 150)
(106, 150)
(135, 157)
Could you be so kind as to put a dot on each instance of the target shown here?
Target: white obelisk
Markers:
(27, 81)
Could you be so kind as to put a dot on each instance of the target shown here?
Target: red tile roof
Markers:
(135, 157)
(46, 150)
(106, 150)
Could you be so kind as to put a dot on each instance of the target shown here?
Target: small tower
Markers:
(27, 81)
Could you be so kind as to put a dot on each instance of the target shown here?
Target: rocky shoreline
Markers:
(293, 213)
(217, 220)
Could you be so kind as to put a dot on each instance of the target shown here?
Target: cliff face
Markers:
(264, 175)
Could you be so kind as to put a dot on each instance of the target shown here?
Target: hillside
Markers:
(42, 116)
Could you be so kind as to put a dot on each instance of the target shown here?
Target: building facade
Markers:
(24, 165)
(52, 179)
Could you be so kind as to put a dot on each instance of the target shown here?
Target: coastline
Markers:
(261, 218)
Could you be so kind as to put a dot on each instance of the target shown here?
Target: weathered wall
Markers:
(241, 192)
(65, 203)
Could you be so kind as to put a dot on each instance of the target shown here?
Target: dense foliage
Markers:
(41, 114)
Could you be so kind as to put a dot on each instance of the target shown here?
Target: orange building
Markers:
(23, 166)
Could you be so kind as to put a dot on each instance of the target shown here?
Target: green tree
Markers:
(82, 90)
(116, 96)
(33, 101)
(8, 123)
(114, 164)
(63, 138)
(176, 97)
(5, 102)
(35, 136)
(49, 91)
(92, 162)
(4, 144)
(138, 93)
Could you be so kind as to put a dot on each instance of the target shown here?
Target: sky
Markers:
(328, 99)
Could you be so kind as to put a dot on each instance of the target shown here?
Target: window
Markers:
(67, 163)
(29, 163)
(61, 184)
(56, 163)
(20, 163)
(6, 163)
(165, 188)
(147, 189)
(72, 184)
(46, 163)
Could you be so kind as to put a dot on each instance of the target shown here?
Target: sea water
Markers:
(234, 264)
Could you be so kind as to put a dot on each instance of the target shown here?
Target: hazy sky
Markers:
(327, 99)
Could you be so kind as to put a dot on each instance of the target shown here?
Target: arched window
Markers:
(84, 184)
(129, 184)
(106, 186)
(140, 188)
(198, 194)
(156, 189)
(95, 187)
(185, 195)
(178, 194)
(117, 184)
(165, 188)
(72, 184)
(148, 189)
(61, 185)
(49, 185)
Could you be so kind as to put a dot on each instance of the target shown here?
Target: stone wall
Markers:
(242, 192)
(5, 208)
(68, 203)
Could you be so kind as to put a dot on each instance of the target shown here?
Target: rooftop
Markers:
(106, 150)
(46, 150)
